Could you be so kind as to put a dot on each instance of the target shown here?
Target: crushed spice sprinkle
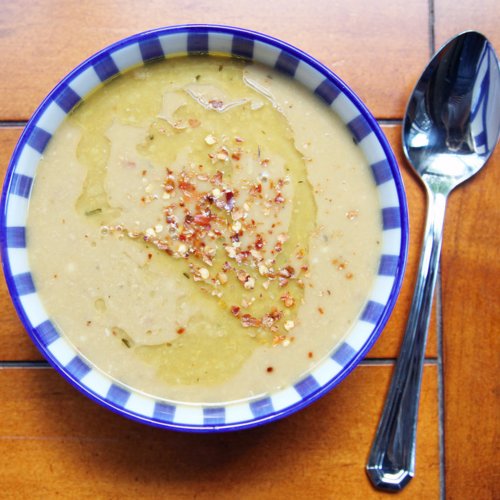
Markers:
(208, 222)
(287, 299)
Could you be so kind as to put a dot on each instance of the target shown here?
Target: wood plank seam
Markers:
(438, 304)
(432, 37)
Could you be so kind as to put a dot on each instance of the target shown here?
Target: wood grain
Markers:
(470, 291)
(471, 310)
(369, 44)
(453, 17)
(55, 442)
(67, 446)
(15, 344)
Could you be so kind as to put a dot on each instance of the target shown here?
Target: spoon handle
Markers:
(391, 463)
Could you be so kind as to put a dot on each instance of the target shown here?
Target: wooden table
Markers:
(55, 442)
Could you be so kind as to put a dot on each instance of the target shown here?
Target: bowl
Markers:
(202, 39)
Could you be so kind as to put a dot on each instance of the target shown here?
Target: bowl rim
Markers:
(373, 126)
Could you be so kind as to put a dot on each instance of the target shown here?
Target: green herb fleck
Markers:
(93, 212)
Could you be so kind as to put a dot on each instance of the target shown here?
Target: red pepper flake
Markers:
(279, 339)
(217, 177)
(287, 272)
(267, 321)
(282, 282)
(181, 330)
(243, 255)
(248, 320)
(242, 275)
(235, 311)
(287, 299)
(269, 369)
(187, 186)
(271, 318)
(229, 200)
(279, 198)
(259, 242)
(310, 354)
(340, 265)
(276, 314)
(256, 189)
(216, 104)
(169, 185)
(202, 220)
(236, 156)
(321, 310)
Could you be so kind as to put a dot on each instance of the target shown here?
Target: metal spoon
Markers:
(451, 127)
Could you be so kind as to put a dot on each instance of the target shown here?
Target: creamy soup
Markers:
(203, 229)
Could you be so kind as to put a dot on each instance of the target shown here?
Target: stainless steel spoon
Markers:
(451, 126)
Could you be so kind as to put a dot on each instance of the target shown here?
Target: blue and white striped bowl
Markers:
(171, 42)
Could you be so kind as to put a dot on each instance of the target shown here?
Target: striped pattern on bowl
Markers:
(172, 42)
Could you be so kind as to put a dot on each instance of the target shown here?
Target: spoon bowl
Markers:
(452, 123)
(451, 126)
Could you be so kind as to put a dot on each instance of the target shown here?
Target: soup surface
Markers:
(203, 229)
